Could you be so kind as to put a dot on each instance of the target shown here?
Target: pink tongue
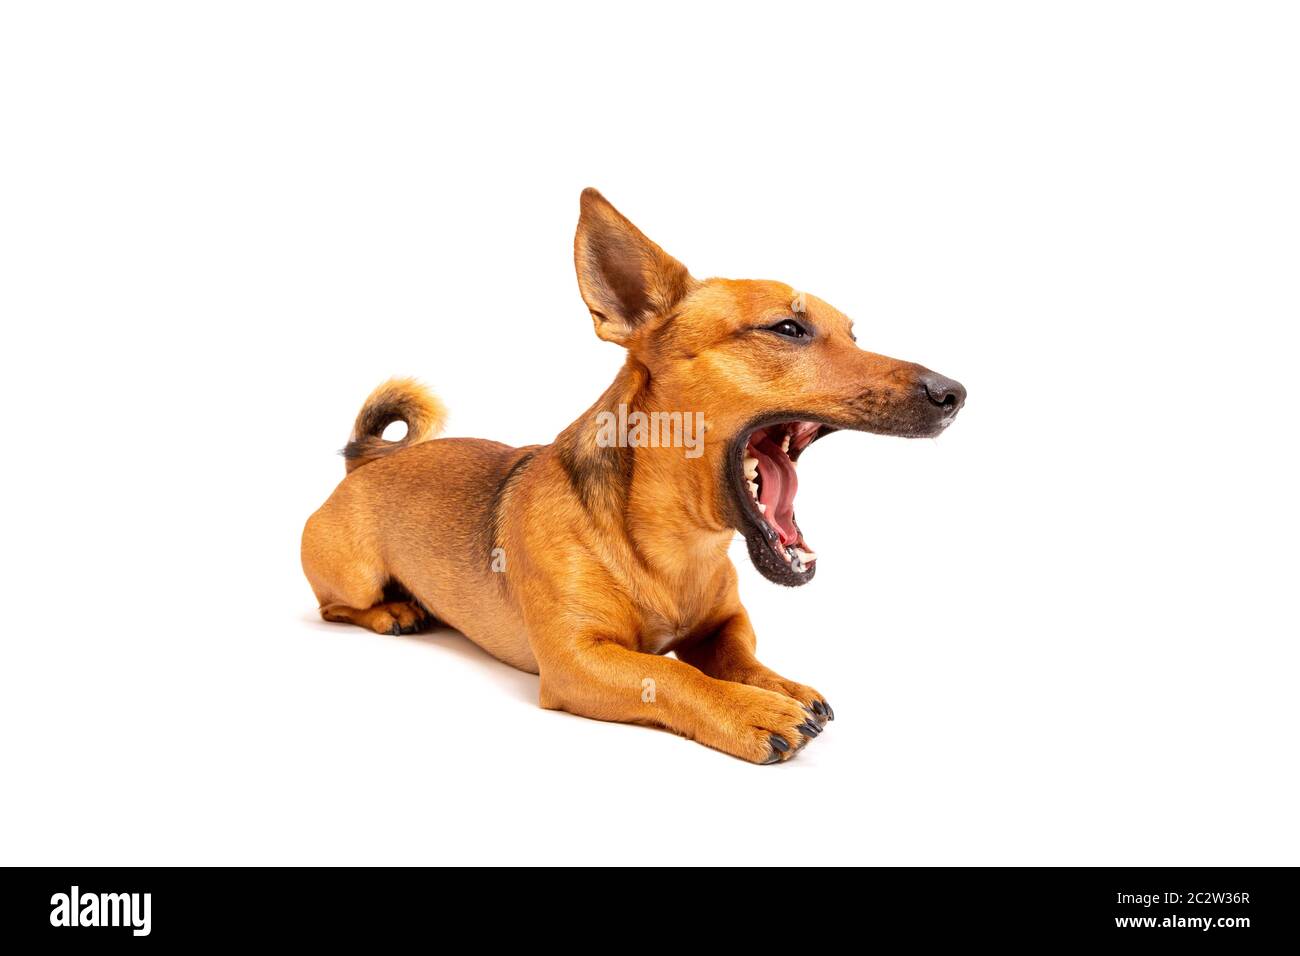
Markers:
(779, 484)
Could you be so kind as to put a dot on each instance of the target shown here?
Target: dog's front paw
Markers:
(768, 727)
(813, 701)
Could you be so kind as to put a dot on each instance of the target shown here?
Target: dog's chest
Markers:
(681, 612)
(662, 636)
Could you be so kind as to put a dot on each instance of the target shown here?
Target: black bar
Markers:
(1226, 907)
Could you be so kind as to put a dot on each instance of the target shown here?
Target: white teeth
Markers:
(762, 508)
(785, 443)
(753, 488)
(799, 558)
(751, 468)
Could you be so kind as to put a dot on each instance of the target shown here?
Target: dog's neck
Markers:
(664, 504)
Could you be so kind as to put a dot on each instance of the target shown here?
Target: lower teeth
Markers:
(799, 559)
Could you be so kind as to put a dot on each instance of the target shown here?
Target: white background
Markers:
(1065, 633)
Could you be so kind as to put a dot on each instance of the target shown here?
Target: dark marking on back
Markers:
(598, 475)
(492, 527)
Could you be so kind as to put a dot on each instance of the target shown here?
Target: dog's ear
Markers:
(625, 278)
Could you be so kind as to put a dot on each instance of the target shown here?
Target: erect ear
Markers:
(625, 278)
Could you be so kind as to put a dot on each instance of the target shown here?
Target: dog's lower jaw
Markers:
(773, 568)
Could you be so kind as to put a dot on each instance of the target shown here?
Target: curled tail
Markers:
(397, 400)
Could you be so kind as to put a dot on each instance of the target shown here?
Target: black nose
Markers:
(944, 392)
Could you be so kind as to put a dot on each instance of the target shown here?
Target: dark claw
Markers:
(818, 709)
(395, 630)
(809, 728)
(830, 713)
(778, 746)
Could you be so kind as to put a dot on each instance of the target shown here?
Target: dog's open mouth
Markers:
(768, 480)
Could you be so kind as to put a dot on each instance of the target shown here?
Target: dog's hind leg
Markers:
(395, 617)
(351, 583)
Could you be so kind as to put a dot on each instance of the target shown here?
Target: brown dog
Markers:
(587, 560)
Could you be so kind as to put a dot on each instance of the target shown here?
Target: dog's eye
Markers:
(790, 329)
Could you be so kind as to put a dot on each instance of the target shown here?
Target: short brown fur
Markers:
(585, 564)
